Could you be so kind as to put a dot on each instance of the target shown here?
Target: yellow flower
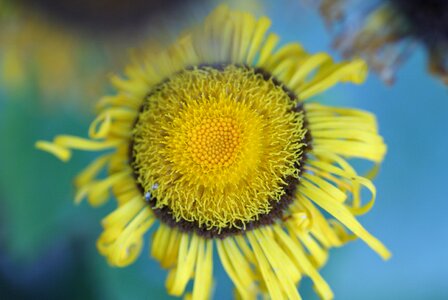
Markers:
(215, 140)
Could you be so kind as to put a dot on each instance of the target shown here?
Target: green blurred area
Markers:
(47, 244)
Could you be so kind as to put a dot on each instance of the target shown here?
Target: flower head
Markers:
(385, 32)
(214, 140)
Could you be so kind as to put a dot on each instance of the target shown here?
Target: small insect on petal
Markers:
(148, 196)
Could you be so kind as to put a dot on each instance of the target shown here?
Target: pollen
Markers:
(215, 143)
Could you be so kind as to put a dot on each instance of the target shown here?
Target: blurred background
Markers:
(53, 69)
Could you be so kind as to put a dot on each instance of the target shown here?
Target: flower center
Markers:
(215, 142)
(223, 145)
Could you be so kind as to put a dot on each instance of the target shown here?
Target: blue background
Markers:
(47, 244)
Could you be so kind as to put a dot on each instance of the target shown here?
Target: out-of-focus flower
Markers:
(216, 141)
(65, 47)
(385, 32)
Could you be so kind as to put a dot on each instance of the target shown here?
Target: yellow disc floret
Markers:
(219, 144)
(214, 143)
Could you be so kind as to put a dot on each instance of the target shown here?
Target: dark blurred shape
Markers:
(428, 22)
(105, 15)
(64, 49)
(385, 32)
(59, 273)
